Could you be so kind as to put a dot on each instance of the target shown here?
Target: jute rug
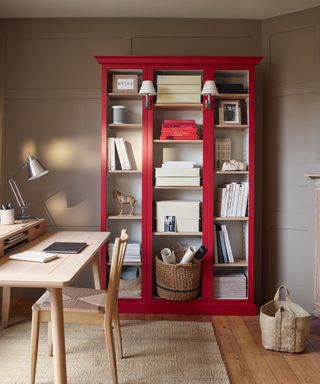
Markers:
(156, 352)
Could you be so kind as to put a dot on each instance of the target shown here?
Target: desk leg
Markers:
(59, 354)
(96, 271)
(5, 306)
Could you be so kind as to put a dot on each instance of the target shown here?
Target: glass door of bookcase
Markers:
(124, 197)
(232, 178)
(177, 162)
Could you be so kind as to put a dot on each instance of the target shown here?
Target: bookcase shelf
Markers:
(117, 171)
(182, 106)
(124, 217)
(179, 187)
(141, 135)
(178, 141)
(125, 126)
(124, 96)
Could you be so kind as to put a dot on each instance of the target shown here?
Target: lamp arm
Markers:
(17, 193)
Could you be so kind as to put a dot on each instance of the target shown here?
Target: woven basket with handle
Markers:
(284, 324)
(178, 281)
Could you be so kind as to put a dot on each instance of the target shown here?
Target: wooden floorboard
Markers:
(239, 338)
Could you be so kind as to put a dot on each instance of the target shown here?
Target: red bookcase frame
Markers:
(208, 65)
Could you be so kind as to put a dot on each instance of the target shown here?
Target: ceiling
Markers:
(226, 9)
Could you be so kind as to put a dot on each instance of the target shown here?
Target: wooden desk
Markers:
(14, 236)
(53, 276)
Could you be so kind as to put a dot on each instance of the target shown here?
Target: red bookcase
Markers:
(228, 230)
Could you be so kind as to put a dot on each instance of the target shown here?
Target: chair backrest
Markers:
(120, 246)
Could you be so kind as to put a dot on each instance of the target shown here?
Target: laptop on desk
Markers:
(65, 247)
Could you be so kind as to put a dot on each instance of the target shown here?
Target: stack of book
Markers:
(177, 173)
(232, 200)
(133, 252)
(179, 130)
(230, 285)
(118, 145)
(222, 247)
(178, 89)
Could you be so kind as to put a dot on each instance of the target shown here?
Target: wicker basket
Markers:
(178, 281)
(284, 324)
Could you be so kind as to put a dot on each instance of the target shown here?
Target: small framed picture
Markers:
(169, 224)
(229, 112)
(124, 83)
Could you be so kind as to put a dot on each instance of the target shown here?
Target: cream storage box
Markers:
(177, 176)
(187, 214)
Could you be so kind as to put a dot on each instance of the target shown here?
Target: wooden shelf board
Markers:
(178, 187)
(125, 126)
(124, 217)
(182, 106)
(232, 96)
(232, 172)
(231, 126)
(130, 263)
(241, 263)
(125, 96)
(177, 233)
(231, 219)
(178, 141)
(124, 171)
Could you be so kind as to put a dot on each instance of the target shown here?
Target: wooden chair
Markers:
(85, 305)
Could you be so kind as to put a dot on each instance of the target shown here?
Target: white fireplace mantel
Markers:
(316, 301)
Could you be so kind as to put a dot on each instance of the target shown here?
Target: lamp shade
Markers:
(147, 88)
(209, 88)
(35, 168)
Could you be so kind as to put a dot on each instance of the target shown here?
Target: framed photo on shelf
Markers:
(169, 224)
(229, 112)
(125, 83)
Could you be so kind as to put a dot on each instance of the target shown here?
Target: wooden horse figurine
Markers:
(122, 200)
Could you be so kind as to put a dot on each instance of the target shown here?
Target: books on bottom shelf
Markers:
(228, 285)
(132, 255)
(222, 246)
(118, 145)
(232, 200)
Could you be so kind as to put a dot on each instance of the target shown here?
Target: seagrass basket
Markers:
(178, 281)
(285, 325)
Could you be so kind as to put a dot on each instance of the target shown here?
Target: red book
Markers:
(186, 130)
(194, 137)
(179, 122)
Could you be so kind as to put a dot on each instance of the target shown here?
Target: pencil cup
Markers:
(6, 216)
(118, 114)
(168, 257)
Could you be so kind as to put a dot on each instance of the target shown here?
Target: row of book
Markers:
(222, 246)
(232, 200)
(178, 89)
(117, 145)
(179, 130)
(133, 252)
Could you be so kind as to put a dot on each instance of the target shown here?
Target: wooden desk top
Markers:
(57, 273)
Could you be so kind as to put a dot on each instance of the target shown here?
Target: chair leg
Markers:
(110, 349)
(50, 350)
(34, 344)
(117, 332)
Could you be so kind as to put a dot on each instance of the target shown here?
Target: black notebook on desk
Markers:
(65, 247)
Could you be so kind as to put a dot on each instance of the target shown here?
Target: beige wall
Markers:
(291, 149)
(52, 89)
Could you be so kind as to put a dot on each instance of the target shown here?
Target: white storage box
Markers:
(178, 181)
(177, 172)
(179, 208)
(182, 225)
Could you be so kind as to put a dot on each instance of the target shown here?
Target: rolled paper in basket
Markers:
(188, 256)
(168, 257)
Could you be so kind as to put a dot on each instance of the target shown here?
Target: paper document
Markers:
(39, 257)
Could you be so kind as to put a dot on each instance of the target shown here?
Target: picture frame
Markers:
(229, 112)
(169, 224)
(124, 83)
